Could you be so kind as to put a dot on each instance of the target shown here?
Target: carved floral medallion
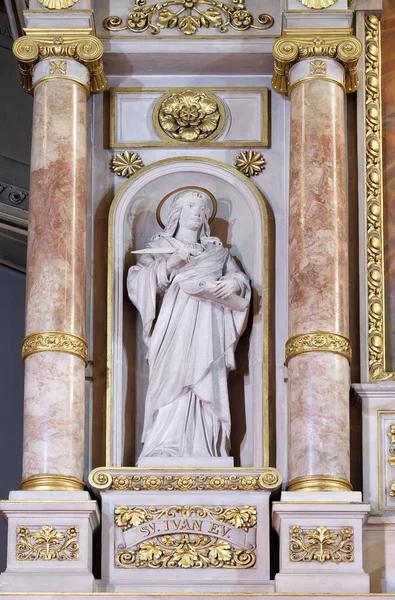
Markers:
(189, 116)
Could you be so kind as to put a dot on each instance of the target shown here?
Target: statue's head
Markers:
(189, 209)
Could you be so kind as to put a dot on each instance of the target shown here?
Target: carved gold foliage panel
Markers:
(184, 536)
(321, 544)
(188, 17)
(47, 544)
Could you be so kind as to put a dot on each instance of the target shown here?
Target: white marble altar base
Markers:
(188, 519)
(49, 566)
(308, 512)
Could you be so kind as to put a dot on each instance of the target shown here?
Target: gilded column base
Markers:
(319, 483)
(44, 482)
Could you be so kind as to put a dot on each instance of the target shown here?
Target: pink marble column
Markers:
(318, 381)
(54, 419)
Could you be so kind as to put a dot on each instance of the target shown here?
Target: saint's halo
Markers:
(170, 195)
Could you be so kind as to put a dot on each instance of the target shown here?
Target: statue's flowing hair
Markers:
(175, 212)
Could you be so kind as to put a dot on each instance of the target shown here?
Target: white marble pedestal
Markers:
(196, 531)
(49, 546)
(320, 542)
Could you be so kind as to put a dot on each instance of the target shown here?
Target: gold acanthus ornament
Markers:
(188, 17)
(185, 551)
(47, 544)
(374, 202)
(241, 517)
(321, 545)
(57, 4)
(189, 116)
(290, 49)
(86, 49)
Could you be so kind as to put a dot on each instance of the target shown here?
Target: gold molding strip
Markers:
(266, 479)
(291, 48)
(86, 49)
(43, 482)
(54, 341)
(318, 341)
(374, 202)
(319, 483)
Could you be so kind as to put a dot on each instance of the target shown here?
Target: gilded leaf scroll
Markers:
(188, 16)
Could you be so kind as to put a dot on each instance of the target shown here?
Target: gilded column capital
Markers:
(294, 47)
(86, 49)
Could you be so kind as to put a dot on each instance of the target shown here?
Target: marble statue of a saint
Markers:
(193, 300)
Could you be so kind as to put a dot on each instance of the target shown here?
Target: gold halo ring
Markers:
(186, 187)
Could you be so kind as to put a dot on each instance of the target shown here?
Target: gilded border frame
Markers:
(374, 202)
(381, 499)
(264, 142)
(265, 221)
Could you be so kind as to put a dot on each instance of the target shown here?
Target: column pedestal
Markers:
(320, 542)
(49, 546)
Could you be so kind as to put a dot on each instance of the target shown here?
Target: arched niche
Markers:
(242, 222)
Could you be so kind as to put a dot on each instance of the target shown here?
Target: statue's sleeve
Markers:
(146, 280)
(232, 270)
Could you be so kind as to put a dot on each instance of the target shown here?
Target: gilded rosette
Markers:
(54, 341)
(318, 341)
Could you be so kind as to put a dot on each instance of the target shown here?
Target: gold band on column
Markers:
(316, 78)
(319, 483)
(62, 78)
(318, 341)
(54, 341)
(48, 483)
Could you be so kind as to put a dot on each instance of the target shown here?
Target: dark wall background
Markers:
(12, 317)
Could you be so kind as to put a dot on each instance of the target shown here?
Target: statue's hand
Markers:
(177, 260)
(226, 287)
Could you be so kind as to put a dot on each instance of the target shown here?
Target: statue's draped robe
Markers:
(191, 345)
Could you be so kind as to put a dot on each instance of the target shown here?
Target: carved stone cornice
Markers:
(86, 49)
(293, 47)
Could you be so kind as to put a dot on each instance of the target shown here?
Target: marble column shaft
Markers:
(318, 382)
(56, 265)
